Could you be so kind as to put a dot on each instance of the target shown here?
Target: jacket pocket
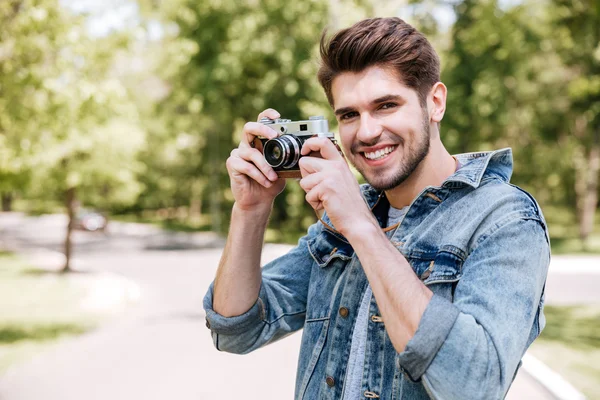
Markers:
(329, 249)
(331, 255)
(440, 270)
(313, 341)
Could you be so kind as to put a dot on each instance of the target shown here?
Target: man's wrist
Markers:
(364, 229)
(258, 213)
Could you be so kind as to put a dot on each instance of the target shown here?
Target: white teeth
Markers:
(379, 153)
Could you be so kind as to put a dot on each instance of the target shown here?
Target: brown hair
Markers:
(386, 42)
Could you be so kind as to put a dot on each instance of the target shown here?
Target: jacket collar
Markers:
(474, 168)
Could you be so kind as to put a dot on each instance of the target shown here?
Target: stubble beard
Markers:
(416, 154)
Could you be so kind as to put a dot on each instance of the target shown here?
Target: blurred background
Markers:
(117, 116)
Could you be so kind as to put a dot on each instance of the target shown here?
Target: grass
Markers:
(175, 225)
(38, 206)
(12, 333)
(564, 232)
(38, 310)
(572, 245)
(570, 345)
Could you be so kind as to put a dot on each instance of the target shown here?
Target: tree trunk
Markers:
(70, 203)
(195, 202)
(586, 188)
(7, 199)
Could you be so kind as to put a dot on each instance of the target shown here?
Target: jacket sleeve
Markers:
(279, 310)
(472, 346)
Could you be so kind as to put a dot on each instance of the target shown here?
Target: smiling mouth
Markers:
(379, 154)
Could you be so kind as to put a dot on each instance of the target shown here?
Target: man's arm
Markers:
(279, 307)
(238, 277)
(245, 310)
(468, 348)
(472, 345)
(401, 297)
(330, 185)
(254, 186)
(240, 306)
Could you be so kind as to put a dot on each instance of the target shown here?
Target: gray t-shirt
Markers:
(356, 360)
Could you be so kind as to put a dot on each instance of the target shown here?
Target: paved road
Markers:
(161, 348)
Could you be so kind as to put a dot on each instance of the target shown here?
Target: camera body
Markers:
(283, 152)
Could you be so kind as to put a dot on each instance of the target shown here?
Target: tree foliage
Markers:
(67, 125)
(523, 76)
(144, 117)
(225, 63)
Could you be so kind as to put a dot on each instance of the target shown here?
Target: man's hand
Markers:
(330, 185)
(254, 183)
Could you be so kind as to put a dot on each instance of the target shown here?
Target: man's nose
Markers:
(370, 129)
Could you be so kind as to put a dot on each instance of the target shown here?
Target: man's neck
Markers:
(437, 166)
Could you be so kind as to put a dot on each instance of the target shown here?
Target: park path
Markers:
(160, 349)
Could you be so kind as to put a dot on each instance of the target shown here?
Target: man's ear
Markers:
(437, 102)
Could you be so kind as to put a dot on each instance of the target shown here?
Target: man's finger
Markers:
(322, 145)
(314, 198)
(256, 157)
(310, 181)
(310, 165)
(268, 113)
(237, 166)
(255, 129)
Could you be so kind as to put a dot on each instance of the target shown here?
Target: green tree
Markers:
(527, 77)
(31, 33)
(576, 36)
(225, 62)
(67, 125)
(486, 66)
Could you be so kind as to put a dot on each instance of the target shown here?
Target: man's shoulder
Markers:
(504, 197)
(497, 204)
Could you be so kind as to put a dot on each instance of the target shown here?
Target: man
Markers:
(425, 282)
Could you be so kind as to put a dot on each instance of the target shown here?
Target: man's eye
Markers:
(388, 105)
(349, 115)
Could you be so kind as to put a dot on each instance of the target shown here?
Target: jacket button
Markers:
(207, 324)
(376, 318)
(330, 381)
(344, 312)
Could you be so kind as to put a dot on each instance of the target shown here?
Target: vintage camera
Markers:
(283, 152)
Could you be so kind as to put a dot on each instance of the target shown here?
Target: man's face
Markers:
(383, 128)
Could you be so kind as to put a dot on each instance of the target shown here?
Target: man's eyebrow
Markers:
(389, 97)
(379, 100)
(343, 110)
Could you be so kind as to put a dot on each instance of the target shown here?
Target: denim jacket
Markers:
(479, 243)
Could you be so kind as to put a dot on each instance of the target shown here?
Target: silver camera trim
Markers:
(315, 125)
(286, 163)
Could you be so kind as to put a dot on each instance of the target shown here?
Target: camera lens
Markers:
(283, 151)
(274, 152)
